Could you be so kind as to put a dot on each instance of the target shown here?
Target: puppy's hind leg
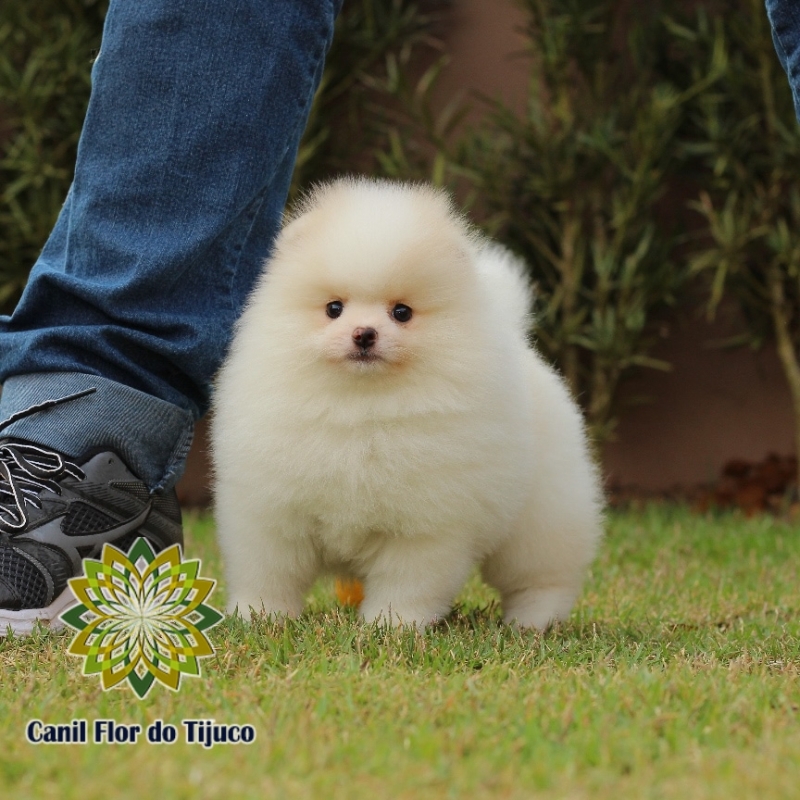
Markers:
(540, 569)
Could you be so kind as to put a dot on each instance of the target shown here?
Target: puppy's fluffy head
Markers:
(373, 278)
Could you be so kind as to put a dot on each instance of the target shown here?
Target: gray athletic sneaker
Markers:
(56, 511)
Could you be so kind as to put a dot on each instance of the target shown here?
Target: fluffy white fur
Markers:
(449, 444)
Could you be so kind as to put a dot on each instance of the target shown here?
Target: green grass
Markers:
(677, 677)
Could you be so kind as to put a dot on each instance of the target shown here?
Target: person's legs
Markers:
(784, 16)
(183, 169)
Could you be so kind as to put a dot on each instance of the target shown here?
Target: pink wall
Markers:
(713, 406)
(487, 52)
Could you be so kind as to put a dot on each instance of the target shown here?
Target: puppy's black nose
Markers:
(365, 337)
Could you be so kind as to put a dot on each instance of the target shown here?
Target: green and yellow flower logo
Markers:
(141, 617)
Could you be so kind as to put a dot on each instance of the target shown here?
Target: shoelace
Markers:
(26, 470)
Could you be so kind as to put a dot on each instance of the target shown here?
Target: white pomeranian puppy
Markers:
(382, 416)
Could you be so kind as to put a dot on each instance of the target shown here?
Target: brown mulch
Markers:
(751, 486)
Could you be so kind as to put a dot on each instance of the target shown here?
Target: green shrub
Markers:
(573, 186)
(46, 52)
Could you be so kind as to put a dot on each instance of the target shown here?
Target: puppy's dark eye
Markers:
(334, 309)
(401, 313)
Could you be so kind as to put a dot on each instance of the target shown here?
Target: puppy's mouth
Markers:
(364, 356)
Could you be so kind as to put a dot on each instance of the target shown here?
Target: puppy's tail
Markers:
(507, 283)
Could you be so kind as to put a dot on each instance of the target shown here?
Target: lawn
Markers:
(676, 677)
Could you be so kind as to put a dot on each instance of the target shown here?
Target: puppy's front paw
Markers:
(538, 608)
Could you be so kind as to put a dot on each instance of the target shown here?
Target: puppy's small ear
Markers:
(295, 228)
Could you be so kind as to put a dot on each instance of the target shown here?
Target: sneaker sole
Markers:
(22, 623)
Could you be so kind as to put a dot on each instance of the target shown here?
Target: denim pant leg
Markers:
(784, 16)
(184, 164)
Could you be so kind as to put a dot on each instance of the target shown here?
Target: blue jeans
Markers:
(184, 164)
(784, 16)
